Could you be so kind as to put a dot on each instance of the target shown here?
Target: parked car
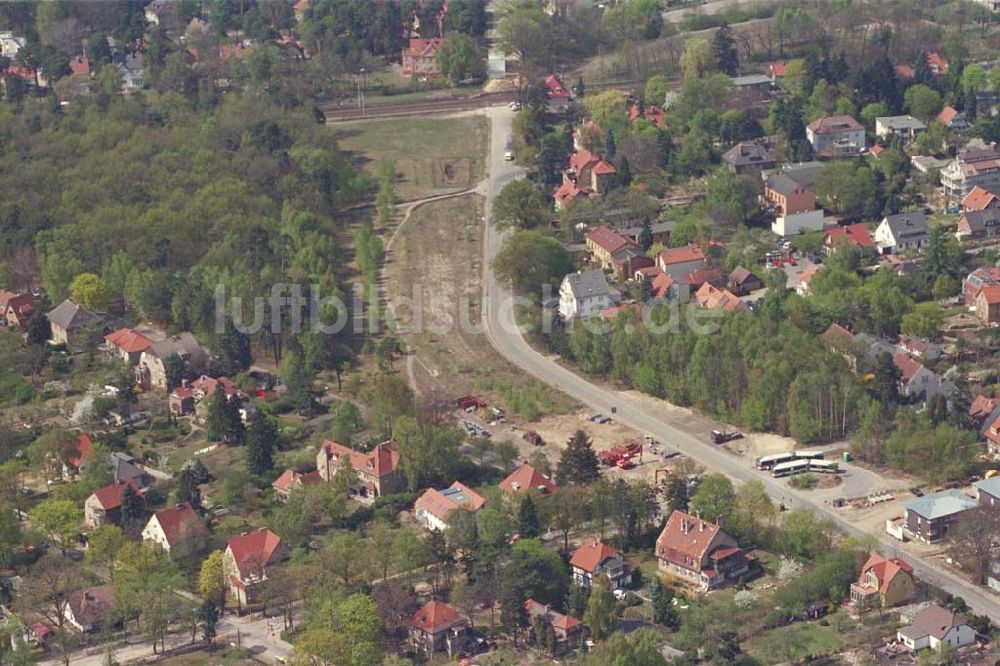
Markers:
(509, 155)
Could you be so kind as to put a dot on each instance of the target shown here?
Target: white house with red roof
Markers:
(852, 235)
(980, 198)
(104, 504)
(952, 119)
(247, 559)
(178, 530)
(556, 92)
(699, 553)
(433, 508)
(126, 344)
(437, 627)
(569, 631)
(679, 261)
(527, 479)
(377, 470)
(884, 582)
(712, 298)
(976, 280)
(72, 466)
(595, 558)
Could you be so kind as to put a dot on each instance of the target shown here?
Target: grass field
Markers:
(431, 155)
(794, 643)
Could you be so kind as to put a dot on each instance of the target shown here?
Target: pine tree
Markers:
(234, 349)
(187, 488)
(527, 519)
(724, 50)
(885, 385)
(200, 472)
(131, 510)
(664, 613)
(261, 440)
(646, 235)
(235, 431)
(215, 417)
(609, 144)
(624, 172)
(578, 463)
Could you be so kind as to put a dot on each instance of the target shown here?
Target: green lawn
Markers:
(794, 643)
(431, 155)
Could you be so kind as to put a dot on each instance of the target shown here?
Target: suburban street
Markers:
(508, 341)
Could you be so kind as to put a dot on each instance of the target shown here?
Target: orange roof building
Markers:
(435, 626)
(595, 558)
(885, 582)
(526, 479)
(377, 470)
(433, 508)
(979, 198)
(699, 553)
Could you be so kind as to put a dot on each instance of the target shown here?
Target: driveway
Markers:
(508, 340)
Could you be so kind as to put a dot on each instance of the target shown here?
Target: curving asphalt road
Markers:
(506, 338)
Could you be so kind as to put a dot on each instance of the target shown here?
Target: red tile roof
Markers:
(569, 191)
(906, 365)
(982, 406)
(885, 570)
(579, 160)
(855, 234)
(380, 461)
(23, 72)
(661, 284)
(680, 255)
(591, 555)
(608, 240)
(425, 48)
(291, 479)
(525, 478)
(21, 304)
(128, 340)
(713, 298)
(685, 538)
(697, 278)
(457, 496)
(603, 167)
(904, 71)
(946, 115)
(110, 497)
(555, 618)
(938, 62)
(435, 616)
(831, 124)
(178, 521)
(555, 87)
(990, 292)
(253, 550)
(207, 385)
(79, 66)
(778, 68)
(978, 199)
(83, 448)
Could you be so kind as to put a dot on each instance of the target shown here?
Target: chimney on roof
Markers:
(701, 527)
(184, 383)
(243, 533)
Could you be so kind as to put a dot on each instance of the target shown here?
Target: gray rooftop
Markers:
(782, 184)
(980, 220)
(747, 153)
(588, 283)
(183, 344)
(989, 486)
(940, 505)
(751, 80)
(907, 224)
(803, 173)
(68, 315)
(901, 122)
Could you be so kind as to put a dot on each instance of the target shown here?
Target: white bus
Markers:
(767, 462)
(789, 468)
(809, 455)
(824, 466)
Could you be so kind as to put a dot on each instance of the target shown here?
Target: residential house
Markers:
(104, 504)
(713, 298)
(918, 382)
(805, 278)
(979, 198)
(679, 261)
(749, 90)
(589, 172)
(793, 204)
(982, 406)
(557, 93)
(194, 397)
(748, 157)
(660, 232)
(26, 74)
(67, 320)
(614, 252)
(152, 361)
(933, 517)
(902, 232)
(291, 480)
(10, 44)
(652, 113)
(126, 468)
(920, 348)
(527, 479)
(976, 280)
(299, 10)
(988, 304)
(568, 193)
(935, 626)
(126, 344)
(777, 70)
(852, 235)
(991, 432)
(595, 558)
(836, 136)
(663, 286)
(74, 463)
(420, 57)
(79, 67)
(568, 630)
(988, 491)
(178, 530)
(803, 173)
(377, 470)
(16, 309)
(583, 294)
(88, 610)
(905, 127)
(952, 119)
(437, 627)
(433, 508)
(246, 561)
(741, 281)
(131, 69)
(974, 165)
(978, 224)
(699, 553)
(937, 63)
(883, 582)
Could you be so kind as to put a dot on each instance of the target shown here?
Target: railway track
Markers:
(336, 113)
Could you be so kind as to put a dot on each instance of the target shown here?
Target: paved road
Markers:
(508, 341)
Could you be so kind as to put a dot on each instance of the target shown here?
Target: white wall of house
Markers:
(154, 534)
(570, 306)
(956, 637)
(798, 223)
(430, 521)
